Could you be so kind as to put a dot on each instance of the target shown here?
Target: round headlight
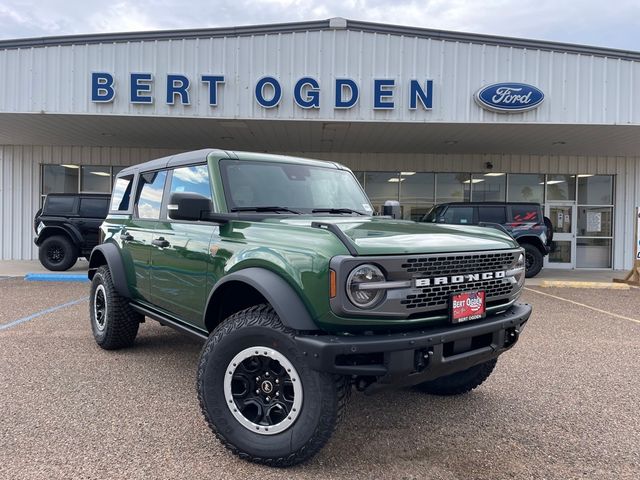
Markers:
(520, 267)
(361, 286)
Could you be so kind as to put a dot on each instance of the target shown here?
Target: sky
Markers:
(613, 23)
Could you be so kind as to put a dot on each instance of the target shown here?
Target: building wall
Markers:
(20, 181)
(579, 88)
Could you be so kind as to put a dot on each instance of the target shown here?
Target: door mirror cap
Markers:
(188, 206)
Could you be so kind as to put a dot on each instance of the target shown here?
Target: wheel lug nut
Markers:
(257, 379)
(277, 394)
(268, 399)
(266, 374)
(258, 391)
(277, 380)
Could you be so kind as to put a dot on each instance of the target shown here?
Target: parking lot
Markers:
(563, 404)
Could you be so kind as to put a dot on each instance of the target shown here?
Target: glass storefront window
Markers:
(95, 179)
(488, 187)
(561, 187)
(593, 253)
(416, 194)
(525, 187)
(380, 187)
(452, 187)
(595, 190)
(360, 177)
(595, 221)
(60, 179)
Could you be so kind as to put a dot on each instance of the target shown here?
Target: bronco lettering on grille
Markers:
(453, 279)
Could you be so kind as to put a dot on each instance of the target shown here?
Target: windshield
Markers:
(291, 188)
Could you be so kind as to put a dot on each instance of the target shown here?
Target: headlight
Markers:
(361, 286)
(519, 270)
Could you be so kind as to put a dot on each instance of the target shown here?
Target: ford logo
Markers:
(509, 97)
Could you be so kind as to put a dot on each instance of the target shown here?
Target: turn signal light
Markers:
(332, 284)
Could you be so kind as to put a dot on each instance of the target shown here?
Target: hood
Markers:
(384, 236)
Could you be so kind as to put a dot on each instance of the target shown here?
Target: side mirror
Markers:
(391, 208)
(188, 206)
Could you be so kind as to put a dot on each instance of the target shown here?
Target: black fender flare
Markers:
(68, 230)
(280, 295)
(112, 255)
(532, 240)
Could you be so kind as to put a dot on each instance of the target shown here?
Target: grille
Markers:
(437, 297)
(459, 264)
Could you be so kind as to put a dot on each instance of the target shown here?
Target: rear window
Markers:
(492, 215)
(94, 207)
(59, 205)
(525, 214)
(121, 194)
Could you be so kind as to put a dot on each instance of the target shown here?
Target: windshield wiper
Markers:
(265, 209)
(336, 210)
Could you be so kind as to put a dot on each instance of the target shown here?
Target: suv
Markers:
(523, 221)
(67, 227)
(298, 292)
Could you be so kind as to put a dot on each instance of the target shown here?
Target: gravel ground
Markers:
(563, 404)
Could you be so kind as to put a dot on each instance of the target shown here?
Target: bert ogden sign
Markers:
(268, 91)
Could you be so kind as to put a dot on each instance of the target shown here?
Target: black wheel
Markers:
(259, 395)
(57, 253)
(532, 260)
(460, 382)
(113, 322)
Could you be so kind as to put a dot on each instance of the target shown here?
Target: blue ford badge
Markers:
(509, 97)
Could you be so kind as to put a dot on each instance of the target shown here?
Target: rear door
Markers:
(180, 255)
(92, 212)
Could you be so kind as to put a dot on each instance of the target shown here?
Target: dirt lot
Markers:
(563, 404)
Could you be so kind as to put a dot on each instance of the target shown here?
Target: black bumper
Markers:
(418, 356)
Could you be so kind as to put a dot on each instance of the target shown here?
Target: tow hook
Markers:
(511, 336)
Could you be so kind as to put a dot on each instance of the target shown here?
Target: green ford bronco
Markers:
(299, 292)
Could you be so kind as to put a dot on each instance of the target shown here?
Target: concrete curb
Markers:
(575, 284)
(56, 277)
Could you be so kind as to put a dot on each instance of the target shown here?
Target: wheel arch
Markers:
(252, 286)
(109, 254)
(49, 232)
(532, 240)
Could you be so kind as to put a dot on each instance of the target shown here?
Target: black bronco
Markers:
(522, 220)
(67, 227)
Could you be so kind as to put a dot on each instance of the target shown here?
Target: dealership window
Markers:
(416, 194)
(382, 186)
(525, 187)
(452, 187)
(67, 178)
(561, 187)
(595, 221)
(488, 187)
(60, 179)
(95, 178)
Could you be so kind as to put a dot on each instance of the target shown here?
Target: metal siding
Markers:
(579, 88)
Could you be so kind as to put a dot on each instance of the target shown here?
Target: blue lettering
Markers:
(177, 85)
(277, 92)
(140, 84)
(381, 91)
(102, 89)
(417, 93)
(341, 85)
(213, 81)
(312, 99)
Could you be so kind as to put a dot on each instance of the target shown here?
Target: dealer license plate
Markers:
(467, 306)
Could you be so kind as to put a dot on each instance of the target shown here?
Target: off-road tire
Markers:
(120, 323)
(533, 258)
(57, 253)
(460, 382)
(324, 395)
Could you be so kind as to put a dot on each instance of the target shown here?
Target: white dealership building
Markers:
(422, 116)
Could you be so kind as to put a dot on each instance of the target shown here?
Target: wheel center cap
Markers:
(266, 386)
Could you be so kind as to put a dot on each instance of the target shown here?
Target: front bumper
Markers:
(403, 359)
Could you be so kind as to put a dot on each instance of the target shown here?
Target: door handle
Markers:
(126, 237)
(160, 242)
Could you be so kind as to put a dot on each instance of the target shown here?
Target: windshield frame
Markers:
(231, 205)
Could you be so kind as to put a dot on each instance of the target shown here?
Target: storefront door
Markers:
(563, 250)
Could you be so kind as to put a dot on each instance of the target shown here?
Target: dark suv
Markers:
(299, 292)
(524, 222)
(67, 227)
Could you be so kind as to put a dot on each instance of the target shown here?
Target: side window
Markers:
(459, 215)
(492, 214)
(525, 214)
(193, 179)
(121, 194)
(59, 205)
(150, 197)
(93, 207)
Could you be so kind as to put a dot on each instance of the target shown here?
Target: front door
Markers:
(563, 249)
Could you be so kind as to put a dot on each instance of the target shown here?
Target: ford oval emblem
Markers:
(509, 97)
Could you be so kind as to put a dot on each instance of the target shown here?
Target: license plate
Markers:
(467, 306)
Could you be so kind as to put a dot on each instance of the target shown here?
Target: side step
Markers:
(169, 322)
